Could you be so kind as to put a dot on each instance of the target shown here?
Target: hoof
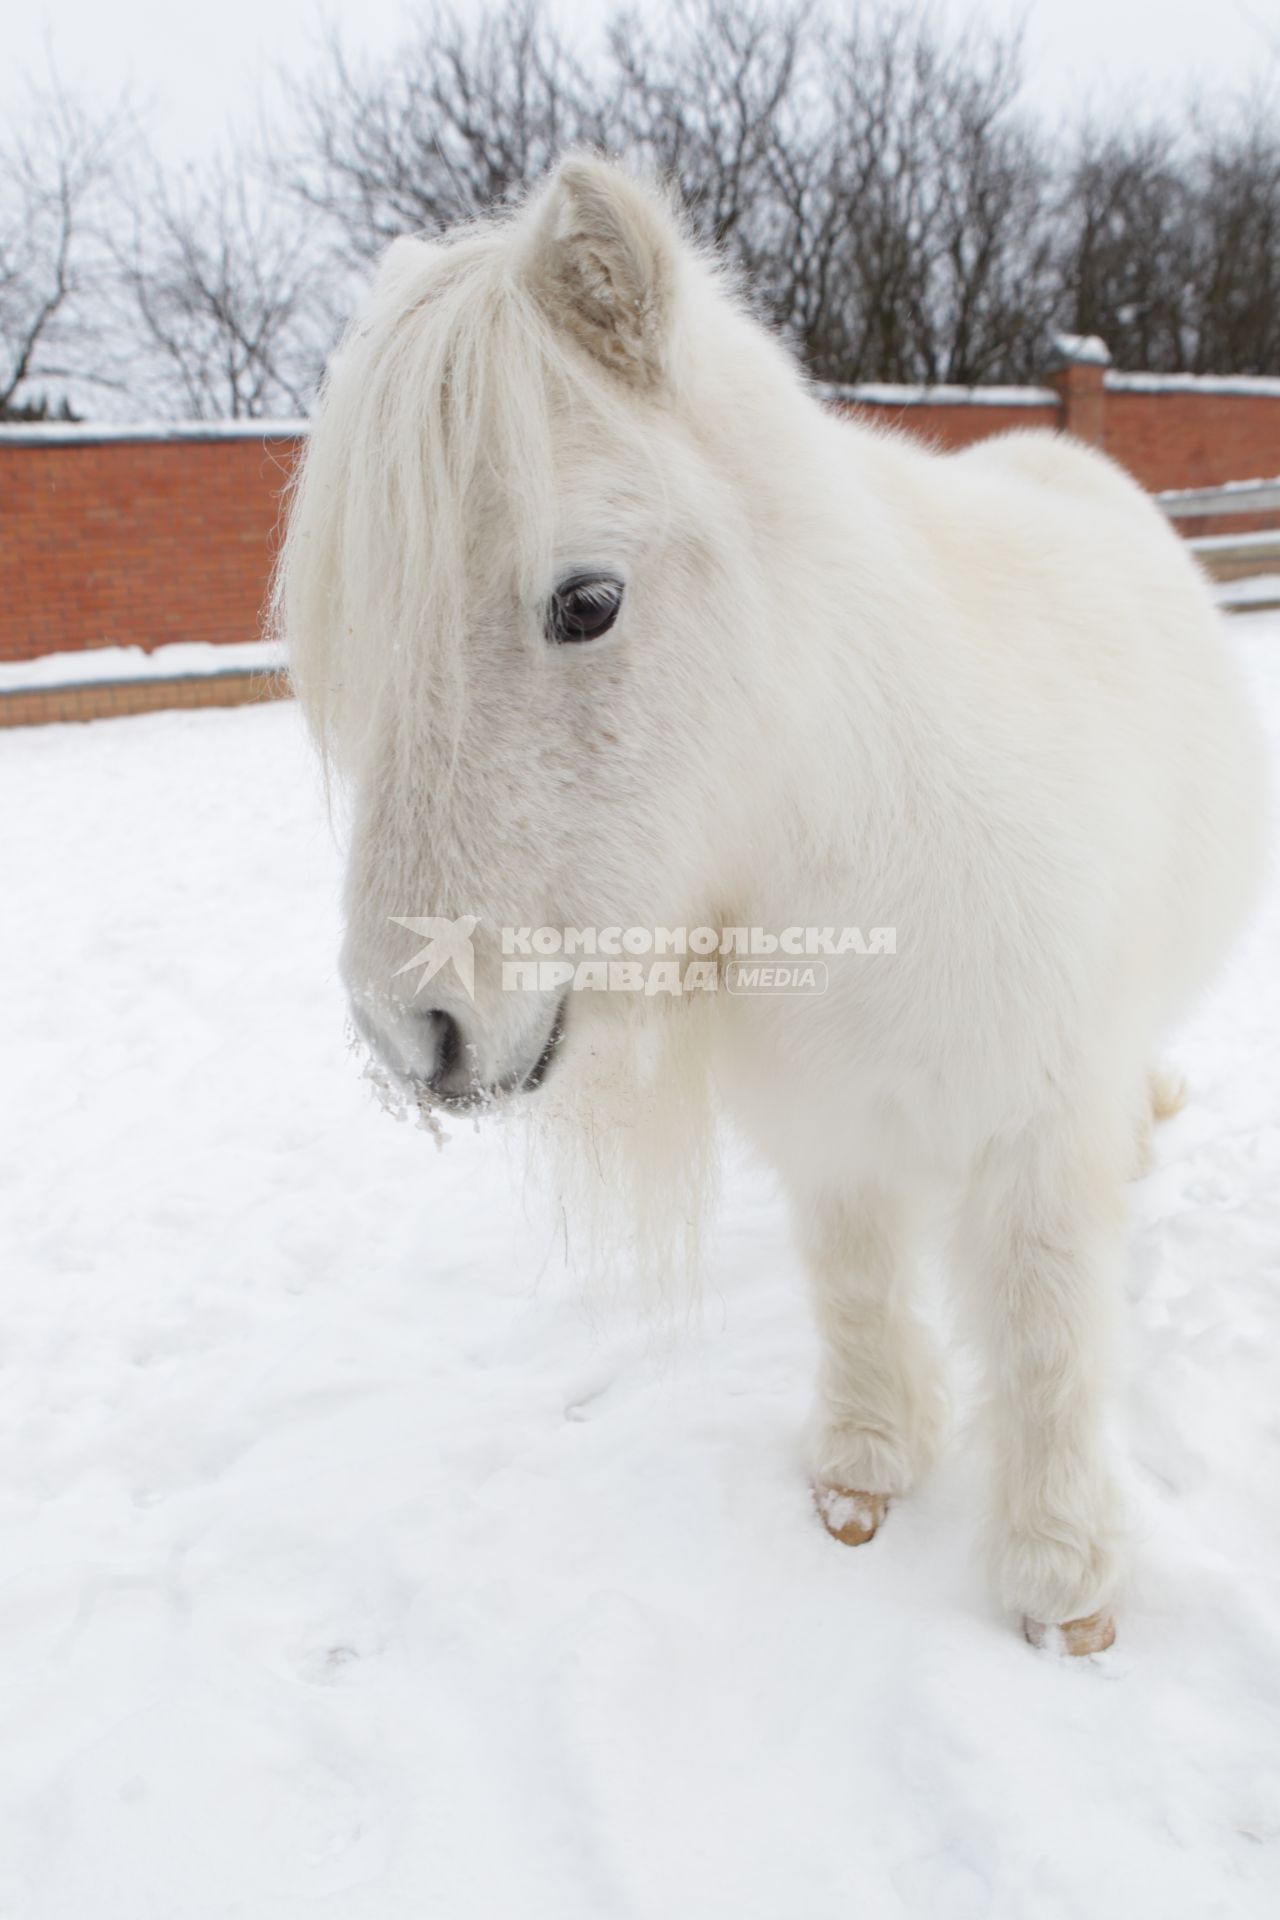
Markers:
(1168, 1092)
(1093, 1634)
(850, 1517)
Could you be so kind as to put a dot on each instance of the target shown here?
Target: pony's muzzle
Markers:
(431, 1048)
(448, 1057)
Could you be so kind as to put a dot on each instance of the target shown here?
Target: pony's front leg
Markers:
(1042, 1234)
(879, 1406)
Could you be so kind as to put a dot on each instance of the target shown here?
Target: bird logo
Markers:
(447, 940)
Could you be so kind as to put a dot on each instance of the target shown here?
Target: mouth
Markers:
(476, 1098)
(542, 1065)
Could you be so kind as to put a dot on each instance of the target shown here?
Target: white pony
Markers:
(604, 621)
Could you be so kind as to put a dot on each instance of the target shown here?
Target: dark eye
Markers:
(583, 608)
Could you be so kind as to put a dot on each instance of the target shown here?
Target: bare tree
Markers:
(1126, 220)
(927, 253)
(226, 293)
(1169, 243)
(990, 293)
(870, 172)
(465, 115)
(1236, 246)
(877, 191)
(49, 266)
(710, 102)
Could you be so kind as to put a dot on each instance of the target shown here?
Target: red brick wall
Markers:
(134, 542)
(1179, 434)
(1177, 437)
(137, 540)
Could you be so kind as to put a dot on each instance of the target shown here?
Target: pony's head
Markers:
(527, 596)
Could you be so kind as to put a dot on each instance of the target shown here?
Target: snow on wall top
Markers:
(874, 393)
(53, 433)
(1248, 385)
(1080, 350)
(92, 433)
(878, 394)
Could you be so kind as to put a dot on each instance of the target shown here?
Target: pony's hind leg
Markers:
(879, 1406)
(1041, 1233)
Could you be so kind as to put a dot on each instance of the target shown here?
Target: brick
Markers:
(136, 543)
(144, 542)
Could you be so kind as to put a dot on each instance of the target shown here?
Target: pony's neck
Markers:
(846, 697)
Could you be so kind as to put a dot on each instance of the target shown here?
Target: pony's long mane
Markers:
(446, 387)
(624, 1142)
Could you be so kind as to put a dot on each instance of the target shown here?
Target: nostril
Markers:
(425, 1046)
(448, 1046)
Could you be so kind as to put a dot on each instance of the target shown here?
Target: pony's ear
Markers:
(603, 265)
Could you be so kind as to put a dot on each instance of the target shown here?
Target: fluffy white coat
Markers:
(982, 699)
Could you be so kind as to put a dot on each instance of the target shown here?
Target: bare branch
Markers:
(50, 176)
(227, 293)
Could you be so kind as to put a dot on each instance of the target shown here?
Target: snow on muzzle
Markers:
(444, 1050)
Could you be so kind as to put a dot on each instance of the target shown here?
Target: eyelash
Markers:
(583, 608)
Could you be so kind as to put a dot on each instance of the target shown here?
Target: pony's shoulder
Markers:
(1054, 459)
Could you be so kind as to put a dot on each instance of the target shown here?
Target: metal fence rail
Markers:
(1239, 496)
(1245, 565)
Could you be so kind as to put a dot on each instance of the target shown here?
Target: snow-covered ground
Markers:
(350, 1566)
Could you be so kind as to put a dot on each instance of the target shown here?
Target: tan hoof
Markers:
(1168, 1092)
(850, 1517)
(1093, 1634)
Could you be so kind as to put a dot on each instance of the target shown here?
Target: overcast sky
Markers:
(201, 71)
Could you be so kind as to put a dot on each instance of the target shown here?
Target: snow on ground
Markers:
(351, 1567)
